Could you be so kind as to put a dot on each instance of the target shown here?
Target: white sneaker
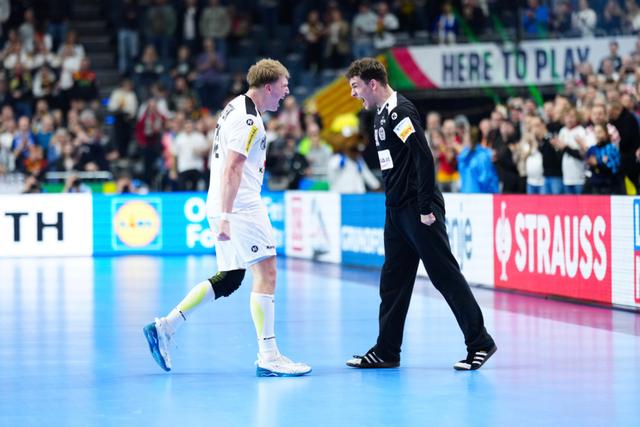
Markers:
(280, 366)
(164, 339)
(159, 340)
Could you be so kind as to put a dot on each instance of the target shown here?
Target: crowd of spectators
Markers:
(180, 61)
(585, 140)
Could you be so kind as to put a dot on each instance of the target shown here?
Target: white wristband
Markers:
(224, 216)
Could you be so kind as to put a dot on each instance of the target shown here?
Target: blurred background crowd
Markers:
(127, 92)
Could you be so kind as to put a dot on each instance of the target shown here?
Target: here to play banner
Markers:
(543, 62)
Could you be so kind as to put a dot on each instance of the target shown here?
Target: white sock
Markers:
(200, 293)
(263, 315)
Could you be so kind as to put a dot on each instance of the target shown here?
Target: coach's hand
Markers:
(224, 232)
(428, 219)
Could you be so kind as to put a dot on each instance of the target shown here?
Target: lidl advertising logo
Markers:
(136, 223)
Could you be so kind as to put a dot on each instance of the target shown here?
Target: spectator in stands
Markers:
(612, 18)
(22, 143)
(446, 27)
(337, 45)
(445, 143)
(169, 173)
(572, 141)
(386, 24)
(45, 85)
(535, 20)
(20, 89)
(286, 166)
(42, 56)
(147, 72)
(185, 66)
(348, 173)
(149, 129)
(14, 54)
(188, 31)
(128, 39)
(317, 152)
(433, 122)
(363, 27)
(160, 27)
(43, 138)
(190, 149)
(290, 117)
(561, 23)
(209, 82)
(27, 29)
(85, 86)
(474, 17)
(90, 146)
(182, 98)
(599, 117)
(71, 41)
(67, 160)
(123, 104)
(613, 56)
(215, 23)
(534, 167)
(629, 146)
(313, 34)
(477, 173)
(603, 160)
(506, 162)
(70, 64)
(584, 19)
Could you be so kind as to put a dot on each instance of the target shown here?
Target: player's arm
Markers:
(410, 132)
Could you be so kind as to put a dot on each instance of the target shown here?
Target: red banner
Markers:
(556, 245)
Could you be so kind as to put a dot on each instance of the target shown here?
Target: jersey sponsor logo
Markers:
(404, 129)
(254, 249)
(386, 162)
(252, 136)
(381, 134)
(250, 122)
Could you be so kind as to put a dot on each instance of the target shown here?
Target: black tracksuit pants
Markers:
(406, 242)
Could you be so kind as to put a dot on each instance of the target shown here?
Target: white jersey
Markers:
(240, 129)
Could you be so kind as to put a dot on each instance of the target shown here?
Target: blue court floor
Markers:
(72, 353)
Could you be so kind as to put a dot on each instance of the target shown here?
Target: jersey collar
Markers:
(390, 103)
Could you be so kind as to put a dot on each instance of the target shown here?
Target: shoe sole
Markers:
(384, 365)
(262, 372)
(476, 367)
(151, 335)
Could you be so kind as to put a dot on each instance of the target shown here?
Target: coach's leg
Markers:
(397, 278)
(432, 244)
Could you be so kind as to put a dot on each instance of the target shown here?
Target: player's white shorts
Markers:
(252, 239)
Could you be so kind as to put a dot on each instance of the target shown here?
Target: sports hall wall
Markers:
(581, 247)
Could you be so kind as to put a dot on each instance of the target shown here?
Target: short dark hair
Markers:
(368, 69)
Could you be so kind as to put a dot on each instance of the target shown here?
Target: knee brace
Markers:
(226, 282)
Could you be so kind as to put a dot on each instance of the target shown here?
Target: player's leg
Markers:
(270, 361)
(254, 240)
(397, 278)
(229, 278)
(432, 244)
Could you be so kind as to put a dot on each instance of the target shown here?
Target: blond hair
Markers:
(266, 71)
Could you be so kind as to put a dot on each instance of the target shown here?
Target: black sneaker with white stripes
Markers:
(475, 359)
(371, 361)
